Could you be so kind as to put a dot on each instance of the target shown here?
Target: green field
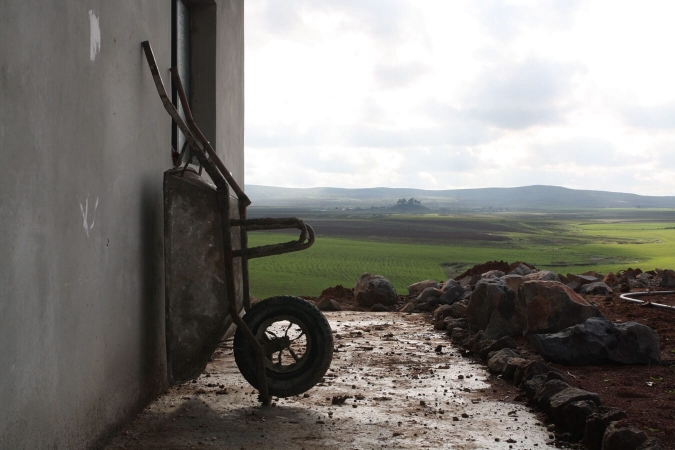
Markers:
(574, 242)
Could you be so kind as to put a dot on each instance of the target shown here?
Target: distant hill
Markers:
(520, 198)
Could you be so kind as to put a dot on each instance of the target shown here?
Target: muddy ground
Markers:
(394, 383)
(646, 393)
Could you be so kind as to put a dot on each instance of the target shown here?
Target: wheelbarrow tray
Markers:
(197, 304)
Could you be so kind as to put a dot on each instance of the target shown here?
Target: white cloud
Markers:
(399, 75)
(521, 94)
(437, 94)
(577, 152)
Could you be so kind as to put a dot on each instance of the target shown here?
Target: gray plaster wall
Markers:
(230, 86)
(84, 141)
(229, 92)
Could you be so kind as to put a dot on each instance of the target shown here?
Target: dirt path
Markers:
(400, 393)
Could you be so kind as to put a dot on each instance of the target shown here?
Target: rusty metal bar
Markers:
(260, 355)
(213, 172)
(202, 139)
(243, 235)
(272, 223)
(224, 200)
(277, 249)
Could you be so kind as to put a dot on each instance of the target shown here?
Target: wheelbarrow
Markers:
(283, 345)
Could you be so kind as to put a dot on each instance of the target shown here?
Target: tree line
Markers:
(410, 201)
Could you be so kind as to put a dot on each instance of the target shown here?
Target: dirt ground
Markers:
(646, 393)
(399, 393)
(394, 383)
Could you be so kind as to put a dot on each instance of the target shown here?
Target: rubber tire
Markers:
(319, 334)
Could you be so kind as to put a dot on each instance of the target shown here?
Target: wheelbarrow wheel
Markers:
(298, 344)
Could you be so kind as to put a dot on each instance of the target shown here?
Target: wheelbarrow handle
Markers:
(193, 135)
(304, 241)
(202, 139)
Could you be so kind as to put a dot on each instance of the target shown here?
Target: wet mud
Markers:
(393, 383)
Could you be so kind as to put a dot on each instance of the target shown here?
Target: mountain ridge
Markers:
(523, 197)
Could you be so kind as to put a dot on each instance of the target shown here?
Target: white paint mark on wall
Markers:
(94, 36)
(85, 215)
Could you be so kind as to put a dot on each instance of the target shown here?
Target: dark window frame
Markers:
(175, 5)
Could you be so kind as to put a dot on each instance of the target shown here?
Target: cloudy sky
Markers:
(461, 94)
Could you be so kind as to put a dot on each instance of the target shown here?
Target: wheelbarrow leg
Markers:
(260, 355)
(262, 380)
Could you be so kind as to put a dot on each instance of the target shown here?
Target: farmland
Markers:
(409, 248)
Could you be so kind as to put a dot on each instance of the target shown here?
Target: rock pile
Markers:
(517, 300)
(485, 307)
(489, 305)
(599, 340)
(578, 414)
(372, 289)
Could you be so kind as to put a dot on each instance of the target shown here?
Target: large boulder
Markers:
(559, 401)
(428, 294)
(458, 335)
(667, 277)
(577, 282)
(645, 278)
(499, 344)
(522, 269)
(493, 308)
(416, 288)
(611, 280)
(581, 279)
(551, 307)
(513, 281)
(597, 423)
(450, 324)
(548, 390)
(450, 282)
(477, 340)
(459, 308)
(486, 295)
(371, 289)
(441, 312)
(542, 275)
(532, 369)
(600, 341)
(574, 416)
(451, 293)
(408, 307)
(619, 436)
(493, 274)
(497, 363)
(629, 273)
(596, 288)
(329, 304)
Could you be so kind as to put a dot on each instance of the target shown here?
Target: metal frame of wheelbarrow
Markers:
(200, 147)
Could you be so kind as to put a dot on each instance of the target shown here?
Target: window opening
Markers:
(181, 59)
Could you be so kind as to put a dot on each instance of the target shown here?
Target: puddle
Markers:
(390, 386)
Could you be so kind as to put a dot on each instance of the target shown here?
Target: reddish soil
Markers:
(486, 267)
(645, 393)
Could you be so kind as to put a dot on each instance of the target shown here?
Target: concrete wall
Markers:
(230, 87)
(84, 141)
